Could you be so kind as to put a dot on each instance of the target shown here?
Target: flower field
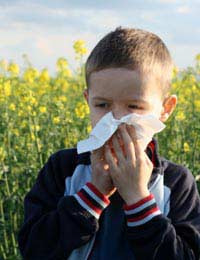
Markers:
(41, 114)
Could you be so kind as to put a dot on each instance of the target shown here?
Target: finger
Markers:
(132, 132)
(109, 159)
(118, 149)
(128, 143)
(119, 137)
(136, 142)
(98, 154)
(110, 144)
(148, 161)
(139, 153)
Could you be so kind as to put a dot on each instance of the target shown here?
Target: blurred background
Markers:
(45, 30)
(43, 47)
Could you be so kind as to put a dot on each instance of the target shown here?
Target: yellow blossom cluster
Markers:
(80, 48)
(13, 68)
(81, 110)
(181, 139)
(30, 75)
(61, 63)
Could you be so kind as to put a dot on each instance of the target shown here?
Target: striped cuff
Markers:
(90, 198)
(142, 211)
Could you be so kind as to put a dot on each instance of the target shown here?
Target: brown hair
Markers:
(133, 49)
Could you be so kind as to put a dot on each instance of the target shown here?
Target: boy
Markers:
(119, 201)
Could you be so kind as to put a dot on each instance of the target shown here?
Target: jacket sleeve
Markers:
(176, 236)
(54, 224)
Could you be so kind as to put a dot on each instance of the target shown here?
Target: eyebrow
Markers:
(129, 100)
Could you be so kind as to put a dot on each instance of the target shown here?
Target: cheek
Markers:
(157, 109)
(95, 116)
(158, 112)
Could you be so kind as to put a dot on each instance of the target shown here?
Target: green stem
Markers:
(6, 181)
(3, 252)
(37, 144)
(14, 243)
(4, 229)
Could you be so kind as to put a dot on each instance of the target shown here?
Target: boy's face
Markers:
(122, 92)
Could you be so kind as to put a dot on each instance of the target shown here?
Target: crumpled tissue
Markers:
(145, 127)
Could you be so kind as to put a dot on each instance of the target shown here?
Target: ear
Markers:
(168, 107)
(85, 93)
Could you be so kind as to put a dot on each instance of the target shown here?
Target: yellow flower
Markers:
(33, 137)
(44, 76)
(61, 64)
(175, 71)
(32, 101)
(12, 107)
(62, 98)
(68, 117)
(66, 73)
(61, 83)
(65, 86)
(81, 110)
(23, 124)
(16, 147)
(61, 107)
(39, 146)
(41, 91)
(7, 88)
(194, 88)
(197, 105)
(89, 129)
(42, 109)
(16, 132)
(56, 120)
(66, 142)
(20, 113)
(2, 154)
(13, 68)
(24, 99)
(197, 58)
(180, 116)
(30, 75)
(186, 147)
(79, 47)
(37, 128)
(33, 113)
(29, 108)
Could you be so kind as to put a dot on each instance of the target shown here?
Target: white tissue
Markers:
(145, 127)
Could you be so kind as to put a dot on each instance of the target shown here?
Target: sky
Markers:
(45, 30)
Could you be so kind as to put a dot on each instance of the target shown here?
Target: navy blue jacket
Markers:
(56, 224)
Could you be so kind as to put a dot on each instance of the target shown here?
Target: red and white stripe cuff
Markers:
(90, 198)
(142, 211)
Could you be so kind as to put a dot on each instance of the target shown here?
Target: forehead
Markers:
(122, 83)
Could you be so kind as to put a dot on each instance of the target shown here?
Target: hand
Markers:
(132, 169)
(100, 174)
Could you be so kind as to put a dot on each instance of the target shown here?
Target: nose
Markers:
(118, 112)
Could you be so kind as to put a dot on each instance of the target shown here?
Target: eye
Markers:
(101, 105)
(135, 107)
